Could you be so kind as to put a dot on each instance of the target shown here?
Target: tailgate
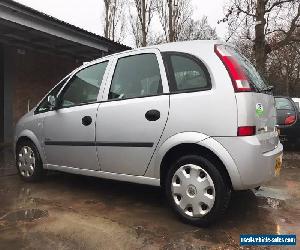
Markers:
(257, 106)
(265, 121)
(258, 109)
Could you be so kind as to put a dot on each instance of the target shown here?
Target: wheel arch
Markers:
(203, 145)
(28, 135)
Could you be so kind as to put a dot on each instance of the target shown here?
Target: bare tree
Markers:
(258, 20)
(197, 30)
(283, 67)
(173, 15)
(114, 19)
(140, 22)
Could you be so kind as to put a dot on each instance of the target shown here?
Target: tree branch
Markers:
(277, 4)
(289, 34)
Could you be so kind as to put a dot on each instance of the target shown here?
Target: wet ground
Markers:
(76, 212)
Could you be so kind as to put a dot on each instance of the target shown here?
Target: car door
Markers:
(132, 117)
(69, 130)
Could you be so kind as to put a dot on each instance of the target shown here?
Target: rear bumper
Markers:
(254, 167)
(289, 133)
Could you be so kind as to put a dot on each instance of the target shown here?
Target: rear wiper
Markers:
(266, 89)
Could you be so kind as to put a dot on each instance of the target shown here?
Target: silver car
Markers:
(192, 117)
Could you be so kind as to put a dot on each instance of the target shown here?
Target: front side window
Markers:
(84, 86)
(187, 73)
(136, 76)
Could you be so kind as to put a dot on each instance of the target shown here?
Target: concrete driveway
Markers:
(75, 212)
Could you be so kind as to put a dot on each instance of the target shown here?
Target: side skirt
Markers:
(106, 175)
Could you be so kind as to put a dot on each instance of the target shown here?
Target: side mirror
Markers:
(52, 102)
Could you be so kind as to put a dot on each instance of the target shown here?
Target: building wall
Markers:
(29, 75)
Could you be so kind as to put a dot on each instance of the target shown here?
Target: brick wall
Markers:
(35, 73)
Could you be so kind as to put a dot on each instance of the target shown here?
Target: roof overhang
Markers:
(24, 27)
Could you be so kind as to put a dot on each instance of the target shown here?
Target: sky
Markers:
(88, 14)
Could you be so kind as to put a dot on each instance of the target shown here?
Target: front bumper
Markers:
(254, 167)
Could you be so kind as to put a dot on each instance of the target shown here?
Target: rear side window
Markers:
(283, 103)
(136, 76)
(186, 73)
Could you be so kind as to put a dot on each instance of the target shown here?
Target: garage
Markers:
(36, 51)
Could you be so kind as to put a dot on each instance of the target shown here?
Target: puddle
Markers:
(273, 193)
(215, 236)
(271, 197)
(267, 202)
(91, 202)
(27, 215)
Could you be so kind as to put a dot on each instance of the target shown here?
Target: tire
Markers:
(201, 195)
(28, 162)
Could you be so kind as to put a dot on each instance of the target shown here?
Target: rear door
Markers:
(132, 117)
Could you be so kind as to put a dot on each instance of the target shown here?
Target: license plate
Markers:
(278, 164)
(283, 138)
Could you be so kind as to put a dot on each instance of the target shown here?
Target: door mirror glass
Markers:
(51, 102)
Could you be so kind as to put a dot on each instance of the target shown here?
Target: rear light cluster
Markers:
(290, 120)
(238, 77)
(246, 131)
(239, 80)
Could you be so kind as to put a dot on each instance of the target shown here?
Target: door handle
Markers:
(152, 115)
(86, 120)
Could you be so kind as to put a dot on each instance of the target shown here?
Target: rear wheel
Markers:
(196, 190)
(28, 161)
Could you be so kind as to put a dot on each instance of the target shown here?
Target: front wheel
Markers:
(28, 161)
(196, 190)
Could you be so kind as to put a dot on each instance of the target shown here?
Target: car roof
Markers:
(281, 96)
(183, 46)
(186, 44)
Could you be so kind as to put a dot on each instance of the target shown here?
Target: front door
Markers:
(69, 131)
(131, 120)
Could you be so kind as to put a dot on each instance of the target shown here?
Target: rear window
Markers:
(252, 74)
(283, 103)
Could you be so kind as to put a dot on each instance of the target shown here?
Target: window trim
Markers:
(171, 75)
(66, 86)
(114, 71)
